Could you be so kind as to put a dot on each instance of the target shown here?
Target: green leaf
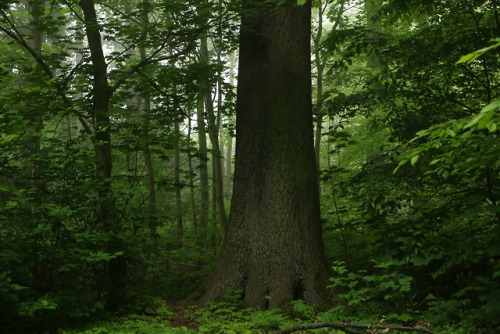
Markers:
(485, 119)
(401, 163)
(301, 2)
(405, 317)
(495, 104)
(421, 134)
(18, 287)
(468, 58)
(414, 159)
(474, 55)
(485, 116)
(492, 126)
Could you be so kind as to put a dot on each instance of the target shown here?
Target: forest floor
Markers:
(187, 317)
(180, 317)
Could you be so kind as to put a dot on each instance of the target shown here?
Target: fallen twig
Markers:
(346, 327)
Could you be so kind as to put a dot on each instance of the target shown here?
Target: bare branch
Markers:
(348, 327)
(78, 16)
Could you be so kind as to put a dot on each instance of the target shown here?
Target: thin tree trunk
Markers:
(117, 267)
(151, 186)
(177, 180)
(213, 188)
(228, 187)
(319, 62)
(80, 126)
(32, 142)
(202, 142)
(145, 107)
(229, 165)
(191, 175)
(34, 41)
(213, 131)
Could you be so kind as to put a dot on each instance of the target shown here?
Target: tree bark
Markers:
(273, 251)
(229, 165)
(148, 164)
(179, 229)
(191, 174)
(229, 152)
(202, 142)
(117, 267)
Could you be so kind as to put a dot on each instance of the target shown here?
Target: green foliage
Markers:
(56, 248)
(301, 310)
(223, 319)
(385, 293)
(411, 170)
(133, 324)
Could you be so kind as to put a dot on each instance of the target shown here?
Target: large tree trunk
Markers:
(274, 245)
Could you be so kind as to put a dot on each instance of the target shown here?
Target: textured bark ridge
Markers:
(273, 250)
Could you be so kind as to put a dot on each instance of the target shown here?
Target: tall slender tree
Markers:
(213, 128)
(102, 92)
(191, 172)
(203, 165)
(145, 107)
(273, 251)
(319, 63)
(34, 40)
